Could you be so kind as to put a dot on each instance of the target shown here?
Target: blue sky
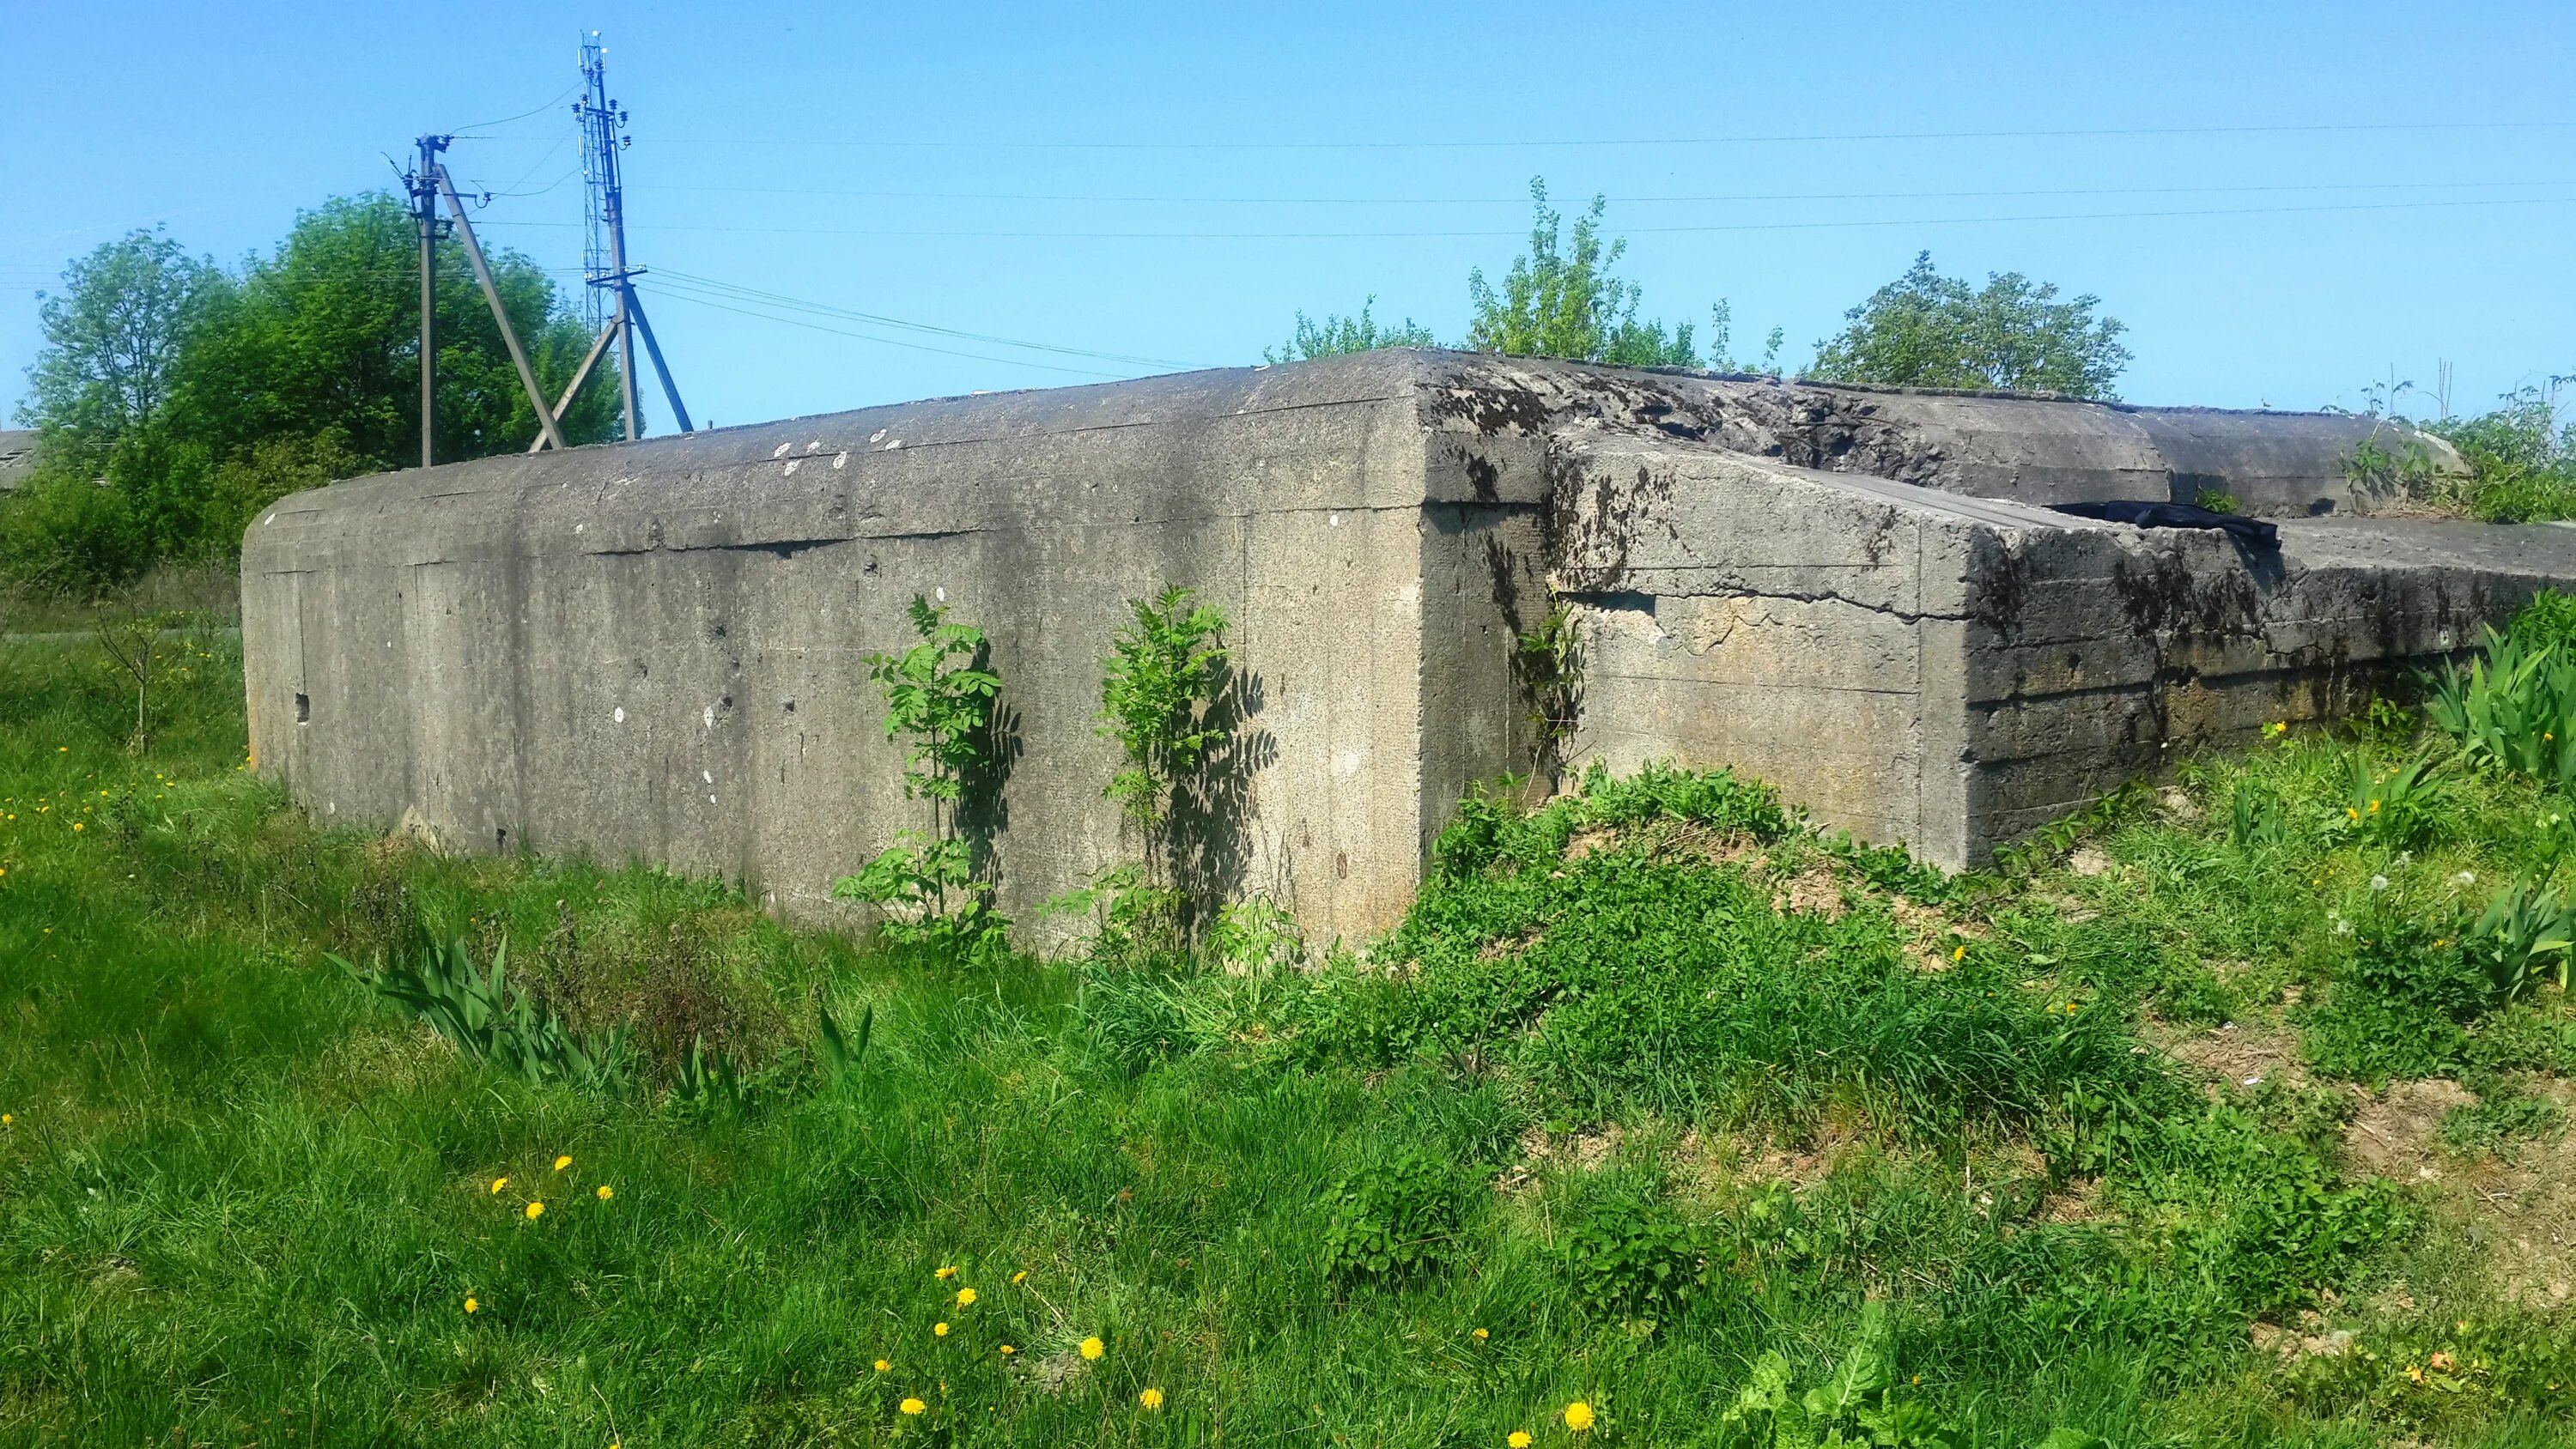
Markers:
(2364, 191)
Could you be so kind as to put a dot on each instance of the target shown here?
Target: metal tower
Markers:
(612, 302)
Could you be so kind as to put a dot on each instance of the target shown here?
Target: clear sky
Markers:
(2300, 198)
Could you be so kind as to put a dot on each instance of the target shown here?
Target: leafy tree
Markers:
(196, 396)
(1928, 330)
(323, 334)
(1336, 335)
(115, 336)
(1562, 301)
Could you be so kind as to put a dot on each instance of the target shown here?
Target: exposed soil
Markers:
(2235, 1055)
(2520, 1209)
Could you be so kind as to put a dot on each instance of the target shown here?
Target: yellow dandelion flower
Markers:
(1958, 953)
(2415, 1373)
(8, 1119)
(882, 1365)
(562, 1162)
(1482, 1335)
(1021, 1276)
(536, 1210)
(912, 1406)
(470, 1304)
(2350, 813)
(939, 1330)
(945, 1273)
(1578, 1416)
(76, 825)
(1093, 1348)
(2374, 807)
(1151, 1398)
(1007, 1350)
(965, 1297)
(1518, 1439)
(606, 1192)
(499, 1183)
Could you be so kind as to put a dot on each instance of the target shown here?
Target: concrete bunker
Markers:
(655, 650)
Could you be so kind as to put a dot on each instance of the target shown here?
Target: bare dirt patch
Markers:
(2392, 1134)
(2520, 1209)
(1583, 1151)
(2235, 1055)
(1814, 891)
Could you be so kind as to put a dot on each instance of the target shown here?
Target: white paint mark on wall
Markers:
(815, 446)
(1332, 520)
(942, 594)
(618, 715)
(840, 460)
(893, 443)
(782, 450)
(877, 436)
(711, 716)
(707, 776)
(791, 467)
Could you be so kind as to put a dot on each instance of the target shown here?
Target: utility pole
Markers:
(424, 201)
(612, 282)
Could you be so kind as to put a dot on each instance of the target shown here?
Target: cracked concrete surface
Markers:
(657, 650)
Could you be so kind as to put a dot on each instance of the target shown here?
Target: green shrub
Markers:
(1399, 1213)
(70, 537)
(2398, 1007)
(1856, 1404)
(2549, 619)
(1628, 1251)
(1639, 974)
(2522, 461)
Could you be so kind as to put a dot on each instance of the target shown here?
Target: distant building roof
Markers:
(17, 457)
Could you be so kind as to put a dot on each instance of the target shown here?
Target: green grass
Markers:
(1650, 1085)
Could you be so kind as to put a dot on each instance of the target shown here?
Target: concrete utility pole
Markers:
(500, 314)
(424, 202)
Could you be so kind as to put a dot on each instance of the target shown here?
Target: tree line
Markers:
(176, 397)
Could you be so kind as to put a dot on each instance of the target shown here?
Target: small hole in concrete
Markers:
(303, 708)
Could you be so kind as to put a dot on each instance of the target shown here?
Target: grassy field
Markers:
(2192, 1124)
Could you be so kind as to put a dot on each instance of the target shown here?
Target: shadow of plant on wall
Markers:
(1207, 830)
(1181, 713)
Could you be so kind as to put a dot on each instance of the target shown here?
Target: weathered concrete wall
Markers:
(1950, 672)
(658, 650)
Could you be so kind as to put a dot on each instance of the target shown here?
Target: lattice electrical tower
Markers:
(613, 305)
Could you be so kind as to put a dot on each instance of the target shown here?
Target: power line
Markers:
(666, 290)
(1624, 230)
(1523, 199)
(1747, 139)
(560, 97)
(776, 299)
